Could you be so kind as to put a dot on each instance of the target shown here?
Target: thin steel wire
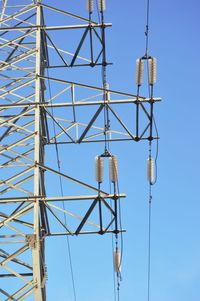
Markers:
(114, 280)
(61, 189)
(147, 27)
(150, 90)
(149, 245)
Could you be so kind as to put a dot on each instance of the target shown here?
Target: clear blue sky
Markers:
(174, 41)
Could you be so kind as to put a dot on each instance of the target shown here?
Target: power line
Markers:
(149, 245)
(147, 27)
(151, 63)
(62, 194)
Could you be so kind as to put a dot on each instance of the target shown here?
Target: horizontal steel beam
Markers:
(79, 104)
(58, 199)
(12, 275)
(103, 140)
(87, 232)
(54, 27)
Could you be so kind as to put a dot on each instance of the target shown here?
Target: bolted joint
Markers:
(115, 197)
(150, 138)
(31, 240)
(151, 99)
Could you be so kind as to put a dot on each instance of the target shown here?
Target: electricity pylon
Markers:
(31, 120)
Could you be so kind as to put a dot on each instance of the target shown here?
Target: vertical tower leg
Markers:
(37, 249)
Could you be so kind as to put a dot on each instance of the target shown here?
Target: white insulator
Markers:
(150, 170)
(106, 87)
(139, 71)
(117, 261)
(152, 70)
(113, 168)
(102, 5)
(99, 169)
(90, 5)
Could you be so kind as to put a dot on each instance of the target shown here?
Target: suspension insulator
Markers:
(139, 71)
(117, 261)
(107, 93)
(150, 170)
(113, 168)
(106, 86)
(152, 70)
(90, 5)
(102, 5)
(99, 169)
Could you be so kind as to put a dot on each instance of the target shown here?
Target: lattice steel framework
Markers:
(31, 120)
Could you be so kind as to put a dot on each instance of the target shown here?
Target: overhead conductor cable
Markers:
(61, 189)
(151, 70)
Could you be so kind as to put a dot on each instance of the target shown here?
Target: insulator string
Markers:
(113, 171)
(139, 71)
(90, 6)
(99, 166)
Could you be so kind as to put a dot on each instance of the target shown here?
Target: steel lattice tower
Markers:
(28, 126)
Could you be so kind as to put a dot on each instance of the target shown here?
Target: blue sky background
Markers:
(174, 41)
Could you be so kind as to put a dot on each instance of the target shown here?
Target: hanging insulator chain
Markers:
(117, 260)
(99, 169)
(107, 93)
(150, 170)
(139, 71)
(90, 6)
(113, 168)
(152, 70)
(102, 5)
